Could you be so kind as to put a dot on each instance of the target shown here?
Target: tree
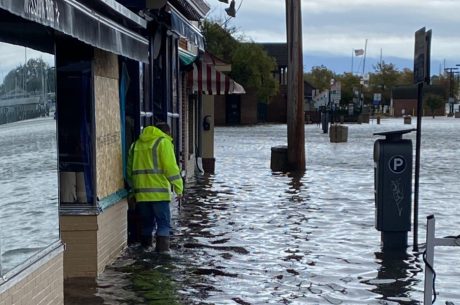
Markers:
(433, 102)
(406, 77)
(320, 77)
(251, 65)
(348, 83)
(220, 41)
(386, 77)
(253, 68)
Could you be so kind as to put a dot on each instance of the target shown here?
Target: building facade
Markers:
(82, 200)
(404, 101)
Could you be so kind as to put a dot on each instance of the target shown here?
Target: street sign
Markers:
(422, 54)
(377, 99)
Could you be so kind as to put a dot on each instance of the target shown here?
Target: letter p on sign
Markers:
(397, 164)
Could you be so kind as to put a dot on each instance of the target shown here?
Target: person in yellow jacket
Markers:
(152, 172)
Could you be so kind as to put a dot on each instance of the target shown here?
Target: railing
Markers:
(428, 258)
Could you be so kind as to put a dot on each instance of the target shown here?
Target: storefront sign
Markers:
(91, 25)
(45, 10)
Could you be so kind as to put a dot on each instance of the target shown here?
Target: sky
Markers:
(332, 29)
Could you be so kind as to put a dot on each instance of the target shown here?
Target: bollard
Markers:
(279, 159)
(338, 133)
(324, 121)
(407, 119)
(378, 120)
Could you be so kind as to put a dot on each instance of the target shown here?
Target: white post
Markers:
(430, 243)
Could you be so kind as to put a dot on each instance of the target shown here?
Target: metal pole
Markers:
(295, 114)
(364, 60)
(417, 161)
(430, 243)
(352, 54)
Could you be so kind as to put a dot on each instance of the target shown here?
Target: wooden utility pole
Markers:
(295, 113)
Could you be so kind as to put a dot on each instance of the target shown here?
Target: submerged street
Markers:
(249, 236)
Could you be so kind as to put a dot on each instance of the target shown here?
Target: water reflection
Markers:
(396, 277)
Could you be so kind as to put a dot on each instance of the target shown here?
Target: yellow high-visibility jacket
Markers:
(152, 167)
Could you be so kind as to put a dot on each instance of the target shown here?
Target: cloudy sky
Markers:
(333, 28)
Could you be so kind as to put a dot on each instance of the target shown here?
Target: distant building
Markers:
(404, 100)
(247, 109)
(277, 108)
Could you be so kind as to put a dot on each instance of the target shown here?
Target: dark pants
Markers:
(155, 215)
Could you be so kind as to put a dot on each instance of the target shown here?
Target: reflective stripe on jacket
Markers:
(152, 167)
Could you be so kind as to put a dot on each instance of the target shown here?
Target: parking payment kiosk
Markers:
(393, 187)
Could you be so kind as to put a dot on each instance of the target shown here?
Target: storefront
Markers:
(98, 46)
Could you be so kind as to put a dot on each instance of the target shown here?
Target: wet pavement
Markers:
(247, 235)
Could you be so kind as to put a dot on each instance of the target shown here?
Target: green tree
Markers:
(348, 83)
(251, 65)
(406, 77)
(386, 77)
(220, 41)
(320, 77)
(254, 69)
(433, 102)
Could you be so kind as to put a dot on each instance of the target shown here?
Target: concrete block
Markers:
(338, 133)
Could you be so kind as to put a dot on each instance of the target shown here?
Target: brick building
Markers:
(404, 100)
(246, 109)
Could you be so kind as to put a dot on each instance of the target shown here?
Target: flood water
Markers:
(247, 235)
(29, 219)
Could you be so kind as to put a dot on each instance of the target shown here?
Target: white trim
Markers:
(32, 264)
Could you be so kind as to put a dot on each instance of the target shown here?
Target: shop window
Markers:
(75, 124)
(29, 221)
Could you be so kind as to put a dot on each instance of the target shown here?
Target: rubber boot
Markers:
(146, 241)
(162, 244)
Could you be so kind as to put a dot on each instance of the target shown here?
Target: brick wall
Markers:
(248, 108)
(112, 234)
(409, 106)
(79, 233)
(219, 110)
(41, 283)
(277, 108)
(93, 241)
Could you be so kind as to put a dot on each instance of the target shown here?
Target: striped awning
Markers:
(205, 79)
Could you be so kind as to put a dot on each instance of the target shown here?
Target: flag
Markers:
(359, 52)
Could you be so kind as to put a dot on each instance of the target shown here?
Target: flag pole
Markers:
(365, 53)
(352, 53)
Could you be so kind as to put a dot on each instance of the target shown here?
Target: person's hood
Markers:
(151, 132)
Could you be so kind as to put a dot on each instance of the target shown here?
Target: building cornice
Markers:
(192, 9)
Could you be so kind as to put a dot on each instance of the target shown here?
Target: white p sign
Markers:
(397, 164)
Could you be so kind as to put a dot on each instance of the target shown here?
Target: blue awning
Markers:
(77, 20)
(186, 29)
